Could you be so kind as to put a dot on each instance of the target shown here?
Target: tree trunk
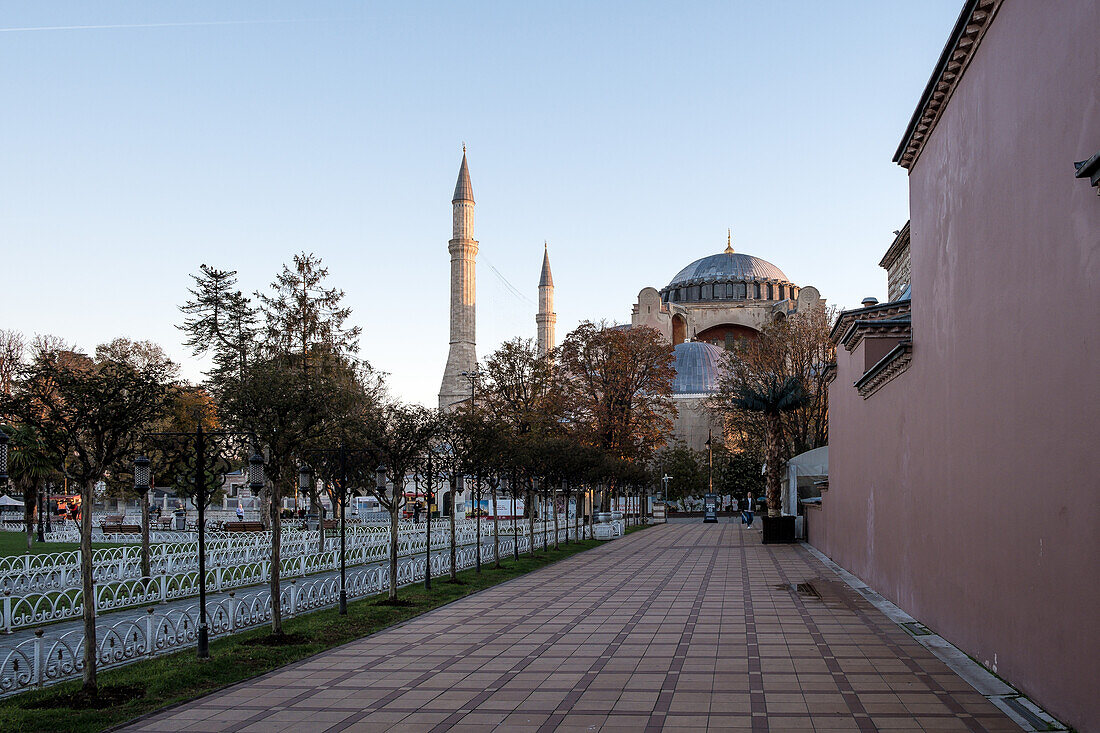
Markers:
(496, 528)
(530, 500)
(454, 554)
(146, 561)
(30, 500)
(477, 519)
(276, 518)
(554, 508)
(88, 587)
(395, 517)
(772, 439)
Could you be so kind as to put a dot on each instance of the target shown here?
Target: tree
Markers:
(31, 465)
(618, 384)
(401, 434)
(687, 469)
(221, 320)
(771, 398)
(88, 411)
(12, 348)
(285, 380)
(300, 313)
(737, 472)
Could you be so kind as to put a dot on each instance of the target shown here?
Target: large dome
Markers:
(698, 365)
(724, 266)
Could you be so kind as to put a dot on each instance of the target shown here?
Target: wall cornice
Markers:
(970, 28)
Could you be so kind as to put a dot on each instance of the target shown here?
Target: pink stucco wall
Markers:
(968, 489)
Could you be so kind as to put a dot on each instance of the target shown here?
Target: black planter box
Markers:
(777, 530)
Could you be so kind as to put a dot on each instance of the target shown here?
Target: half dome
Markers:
(698, 366)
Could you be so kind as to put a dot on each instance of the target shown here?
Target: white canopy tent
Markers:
(803, 470)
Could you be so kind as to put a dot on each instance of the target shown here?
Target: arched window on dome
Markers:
(706, 293)
(756, 290)
(739, 291)
(782, 292)
(771, 292)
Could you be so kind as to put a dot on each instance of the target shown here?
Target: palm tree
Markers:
(771, 398)
(31, 465)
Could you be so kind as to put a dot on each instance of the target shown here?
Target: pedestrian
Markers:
(416, 513)
(748, 511)
(240, 512)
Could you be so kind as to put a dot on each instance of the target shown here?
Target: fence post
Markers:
(39, 661)
(163, 587)
(293, 597)
(7, 612)
(232, 612)
(217, 578)
(150, 646)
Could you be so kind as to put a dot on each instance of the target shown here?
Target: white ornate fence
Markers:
(38, 662)
(36, 592)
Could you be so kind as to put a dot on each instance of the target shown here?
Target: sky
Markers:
(139, 140)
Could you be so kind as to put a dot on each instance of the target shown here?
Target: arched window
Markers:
(706, 291)
(756, 290)
(771, 292)
(739, 291)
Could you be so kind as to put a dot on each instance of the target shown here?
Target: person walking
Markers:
(416, 513)
(748, 514)
(240, 512)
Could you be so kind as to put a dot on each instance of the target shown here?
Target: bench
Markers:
(120, 528)
(244, 527)
(165, 523)
(332, 524)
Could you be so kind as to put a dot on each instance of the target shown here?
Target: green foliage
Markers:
(688, 469)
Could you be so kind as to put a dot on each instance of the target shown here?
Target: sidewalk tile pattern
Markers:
(681, 627)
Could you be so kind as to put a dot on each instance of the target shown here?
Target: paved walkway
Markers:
(684, 626)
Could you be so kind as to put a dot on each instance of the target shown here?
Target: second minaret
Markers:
(546, 318)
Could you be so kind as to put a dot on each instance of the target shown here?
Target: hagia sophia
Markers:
(705, 308)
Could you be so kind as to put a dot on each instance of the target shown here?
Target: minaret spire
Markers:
(729, 241)
(546, 319)
(462, 356)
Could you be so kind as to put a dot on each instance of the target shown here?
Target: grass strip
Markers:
(143, 687)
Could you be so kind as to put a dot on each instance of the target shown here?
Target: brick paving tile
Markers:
(682, 627)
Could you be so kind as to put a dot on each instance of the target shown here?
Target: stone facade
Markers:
(896, 264)
(462, 356)
(720, 298)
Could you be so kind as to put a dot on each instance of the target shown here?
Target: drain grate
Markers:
(1024, 712)
(916, 628)
(802, 589)
(807, 589)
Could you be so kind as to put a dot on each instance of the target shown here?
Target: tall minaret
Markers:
(462, 356)
(546, 317)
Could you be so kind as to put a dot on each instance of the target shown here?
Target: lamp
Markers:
(256, 477)
(305, 477)
(141, 473)
(4, 455)
(380, 479)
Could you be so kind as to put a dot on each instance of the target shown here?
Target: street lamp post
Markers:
(665, 479)
(206, 463)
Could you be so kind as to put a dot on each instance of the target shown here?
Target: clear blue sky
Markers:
(627, 134)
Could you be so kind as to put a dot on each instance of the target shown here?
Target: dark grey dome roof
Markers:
(728, 266)
(698, 365)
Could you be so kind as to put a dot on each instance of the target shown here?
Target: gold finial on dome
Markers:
(729, 241)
